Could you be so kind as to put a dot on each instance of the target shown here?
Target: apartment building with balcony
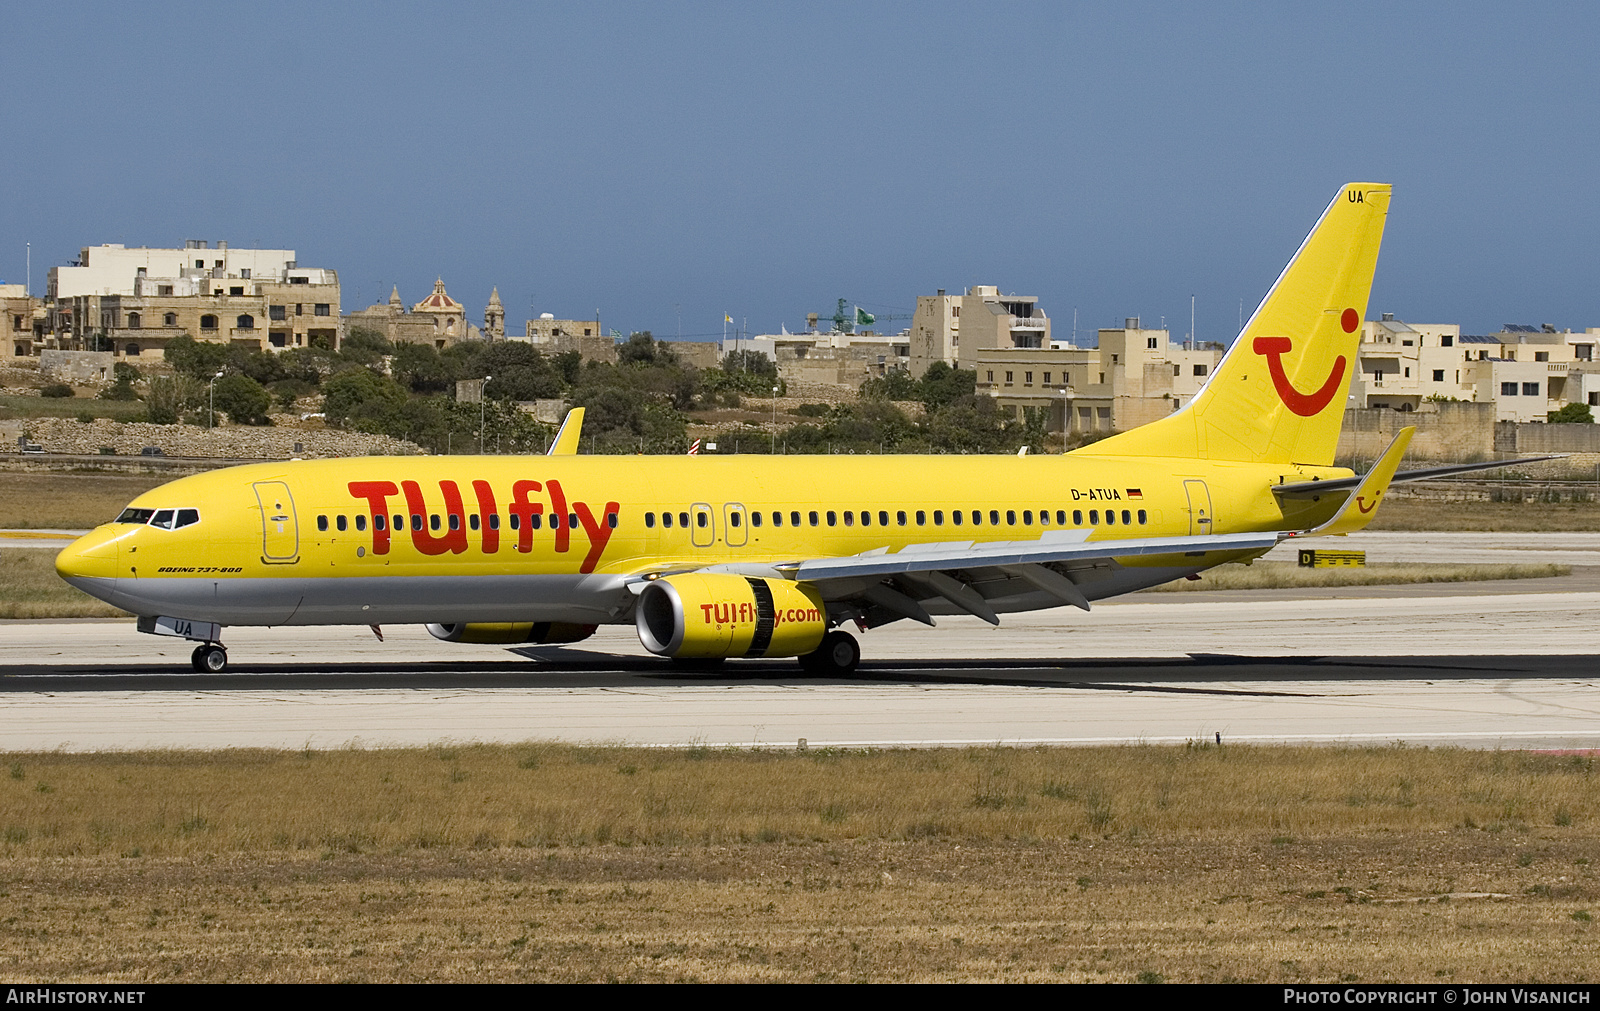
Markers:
(1525, 371)
(1132, 377)
(134, 301)
(955, 329)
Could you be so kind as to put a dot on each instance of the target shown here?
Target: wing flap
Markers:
(1021, 553)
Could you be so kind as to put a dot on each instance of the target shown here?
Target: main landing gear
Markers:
(209, 658)
(837, 656)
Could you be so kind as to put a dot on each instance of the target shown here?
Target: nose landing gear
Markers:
(209, 658)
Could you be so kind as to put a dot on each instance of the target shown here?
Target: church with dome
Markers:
(438, 319)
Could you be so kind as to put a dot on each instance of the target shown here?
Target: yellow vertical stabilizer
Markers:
(1278, 396)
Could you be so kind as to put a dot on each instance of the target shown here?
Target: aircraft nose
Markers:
(92, 556)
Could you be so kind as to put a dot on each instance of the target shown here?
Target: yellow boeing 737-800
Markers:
(751, 556)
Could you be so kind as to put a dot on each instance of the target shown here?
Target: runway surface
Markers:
(1511, 669)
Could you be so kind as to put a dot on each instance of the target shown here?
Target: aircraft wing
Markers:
(892, 586)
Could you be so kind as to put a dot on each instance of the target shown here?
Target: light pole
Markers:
(483, 397)
(211, 411)
(774, 448)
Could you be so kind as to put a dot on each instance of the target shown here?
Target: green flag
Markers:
(864, 318)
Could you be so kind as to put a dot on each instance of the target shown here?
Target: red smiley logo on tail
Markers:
(1303, 404)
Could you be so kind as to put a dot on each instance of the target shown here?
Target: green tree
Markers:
(357, 394)
(642, 348)
(1572, 414)
(942, 385)
(365, 346)
(168, 398)
(421, 369)
(243, 400)
(896, 384)
(198, 359)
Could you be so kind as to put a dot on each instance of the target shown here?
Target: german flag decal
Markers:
(1135, 493)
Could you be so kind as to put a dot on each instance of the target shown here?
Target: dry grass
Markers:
(1499, 517)
(558, 863)
(86, 402)
(1283, 575)
(68, 501)
(30, 588)
(188, 804)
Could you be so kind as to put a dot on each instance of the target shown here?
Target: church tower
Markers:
(494, 318)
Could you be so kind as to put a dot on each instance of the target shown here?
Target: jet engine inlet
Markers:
(706, 615)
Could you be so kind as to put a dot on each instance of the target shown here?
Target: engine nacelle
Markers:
(510, 633)
(705, 615)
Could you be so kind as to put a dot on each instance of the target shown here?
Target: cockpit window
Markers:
(162, 519)
(187, 517)
(139, 516)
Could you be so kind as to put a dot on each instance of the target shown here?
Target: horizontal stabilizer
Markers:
(1306, 489)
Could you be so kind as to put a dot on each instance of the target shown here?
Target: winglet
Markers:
(566, 442)
(1361, 507)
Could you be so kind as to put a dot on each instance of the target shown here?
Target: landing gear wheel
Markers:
(209, 659)
(838, 655)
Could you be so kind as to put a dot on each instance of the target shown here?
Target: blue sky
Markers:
(667, 163)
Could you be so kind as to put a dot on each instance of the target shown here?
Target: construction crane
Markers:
(844, 322)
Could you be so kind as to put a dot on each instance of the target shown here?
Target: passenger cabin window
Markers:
(379, 521)
(1011, 517)
(1077, 517)
(977, 518)
(994, 517)
(755, 519)
(794, 519)
(399, 521)
(650, 520)
(322, 522)
(849, 518)
(700, 520)
(833, 518)
(339, 522)
(777, 519)
(1094, 517)
(494, 521)
(361, 522)
(666, 520)
(683, 520)
(883, 518)
(938, 517)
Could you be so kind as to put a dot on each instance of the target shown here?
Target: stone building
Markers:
(554, 336)
(23, 318)
(438, 319)
(955, 329)
(1133, 377)
(134, 301)
(1525, 371)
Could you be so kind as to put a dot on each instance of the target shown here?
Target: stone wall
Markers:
(80, 368)
(65, 436)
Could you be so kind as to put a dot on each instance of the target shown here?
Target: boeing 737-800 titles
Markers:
(752, 556)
